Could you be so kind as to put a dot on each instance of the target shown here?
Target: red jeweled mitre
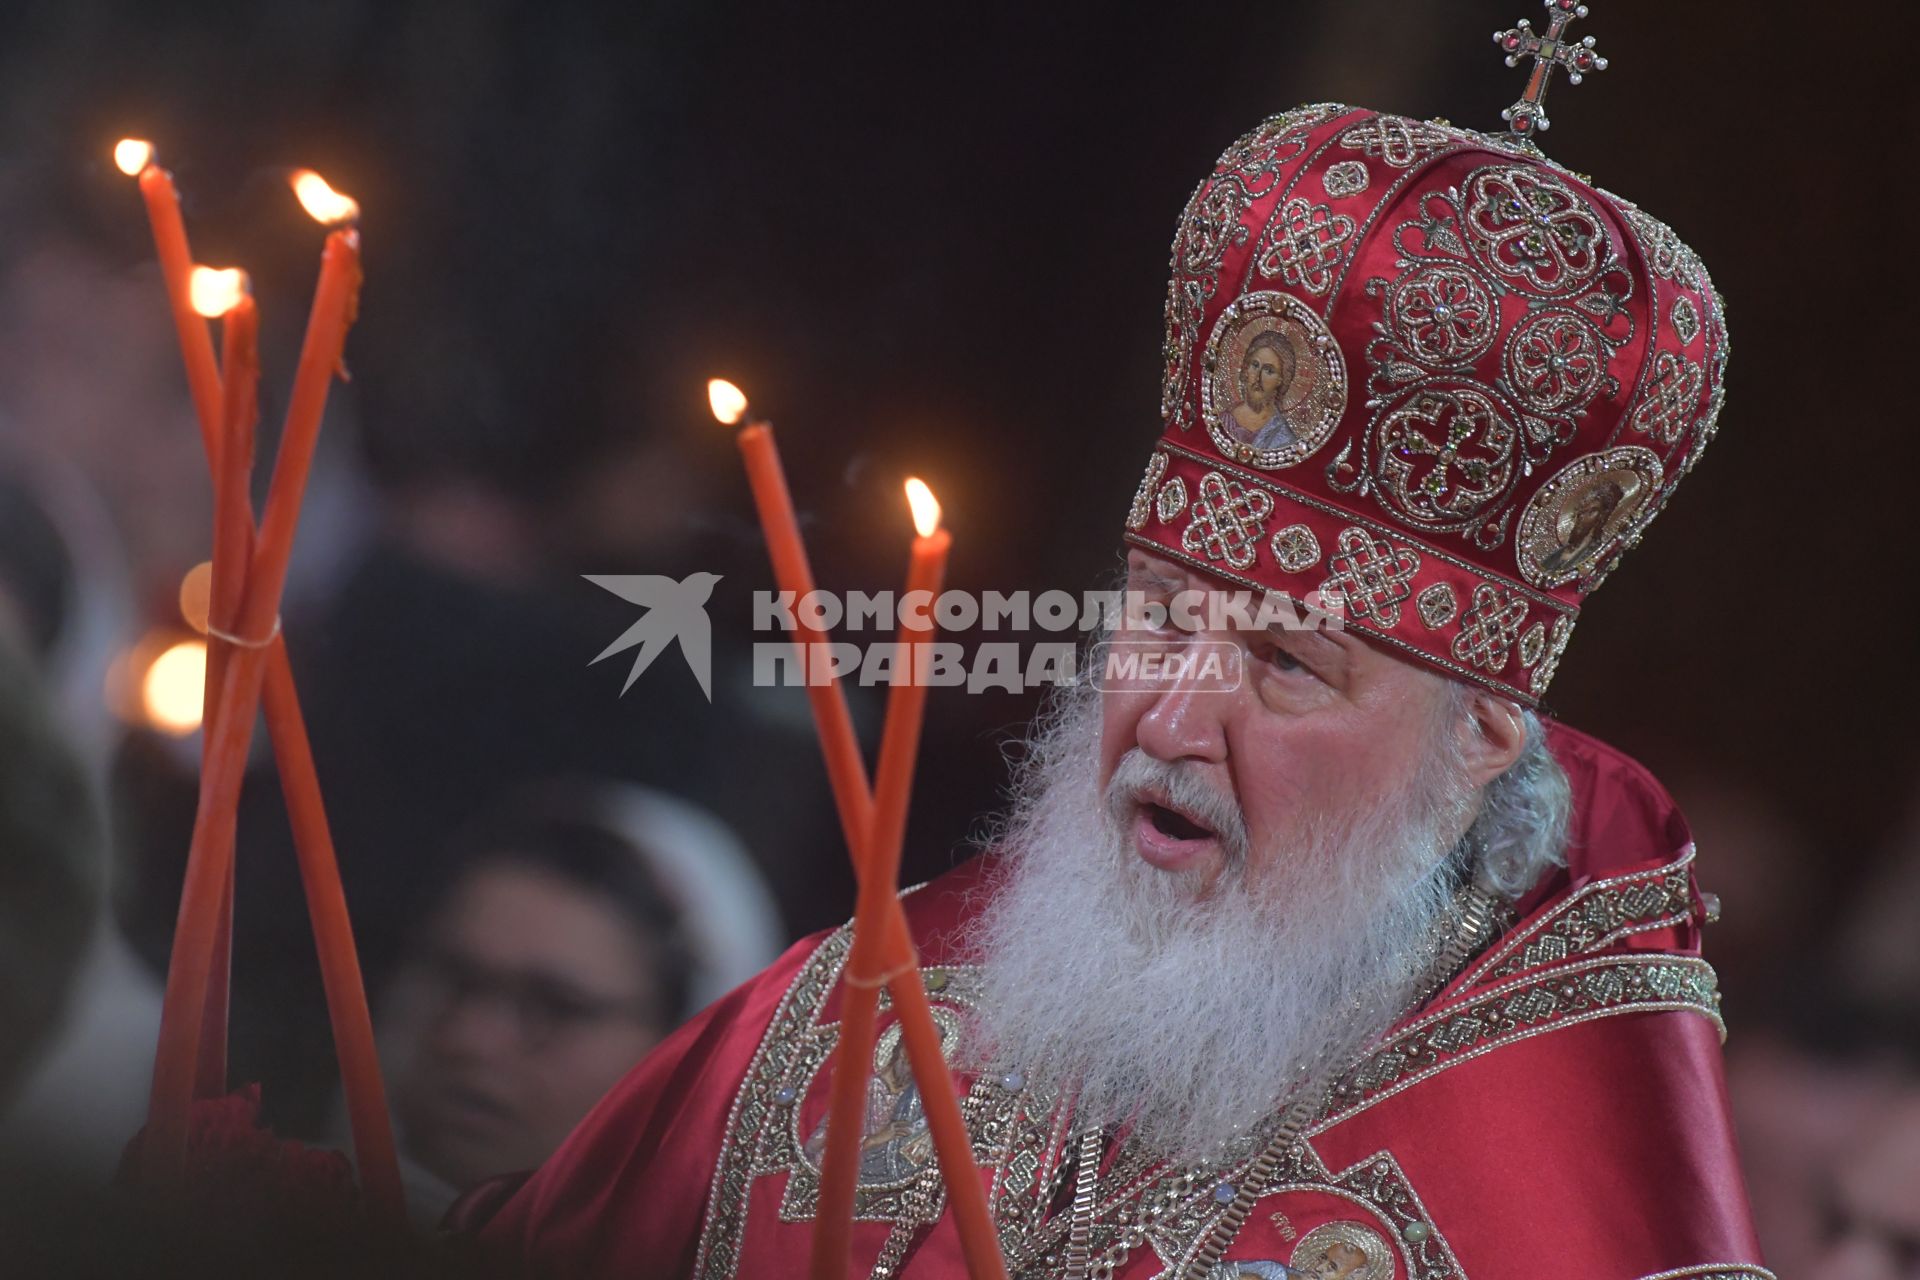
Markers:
(1429, 374)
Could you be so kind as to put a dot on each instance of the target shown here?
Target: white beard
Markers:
(1190, 1018)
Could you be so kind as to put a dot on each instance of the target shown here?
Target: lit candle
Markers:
(846, 773)
(883, 954)
(225, 295)
(893, 788)
(873, 955)
(906, 701)
(335, 304)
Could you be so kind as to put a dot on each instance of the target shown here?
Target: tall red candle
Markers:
(906, 709)
(893, 787)
(846, 772)
(232, 548)
(873, 955)
(883, 954)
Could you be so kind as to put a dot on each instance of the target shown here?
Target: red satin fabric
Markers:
(1597, 1148)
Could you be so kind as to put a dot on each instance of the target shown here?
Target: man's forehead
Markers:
(1148, 572)
(1145, 569)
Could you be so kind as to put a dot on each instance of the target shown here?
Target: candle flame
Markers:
(132, 155)
(173, 689)
(926, 507)
(214, 293)
(322, 203)
(729, 402)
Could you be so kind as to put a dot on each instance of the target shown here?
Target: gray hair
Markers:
(1520, 832)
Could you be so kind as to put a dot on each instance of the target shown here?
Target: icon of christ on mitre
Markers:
(1355, 965)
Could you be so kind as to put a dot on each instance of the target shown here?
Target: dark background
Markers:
(934, 239)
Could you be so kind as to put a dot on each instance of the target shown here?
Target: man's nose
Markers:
(1185, 722)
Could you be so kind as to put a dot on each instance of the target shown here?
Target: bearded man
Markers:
(1352, 966)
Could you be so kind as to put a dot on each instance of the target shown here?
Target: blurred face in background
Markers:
(527, 999)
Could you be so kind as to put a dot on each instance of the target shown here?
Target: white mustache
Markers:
(1141, 779)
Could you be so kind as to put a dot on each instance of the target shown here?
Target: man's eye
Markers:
(1278, 658)
(1151, 615)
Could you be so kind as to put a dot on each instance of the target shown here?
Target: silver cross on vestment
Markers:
(1527, 116)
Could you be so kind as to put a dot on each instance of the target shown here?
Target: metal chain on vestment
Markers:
(1086, 1177)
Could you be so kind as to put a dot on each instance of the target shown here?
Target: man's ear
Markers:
(1492, 734)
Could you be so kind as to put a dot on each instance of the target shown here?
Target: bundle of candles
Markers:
(247, 668)
(874, 823)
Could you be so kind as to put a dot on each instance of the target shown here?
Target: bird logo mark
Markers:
(674, 611)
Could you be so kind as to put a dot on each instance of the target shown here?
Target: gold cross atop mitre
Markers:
(1528, 117)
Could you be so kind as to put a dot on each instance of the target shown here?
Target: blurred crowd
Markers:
(546, 877)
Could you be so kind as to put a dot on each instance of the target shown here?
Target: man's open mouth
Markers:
(1174, 824)
(1171, 837)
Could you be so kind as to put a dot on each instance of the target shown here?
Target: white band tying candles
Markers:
(241, 642)
(874, 984)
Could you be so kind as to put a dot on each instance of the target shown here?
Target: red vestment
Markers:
(1557, 1110)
